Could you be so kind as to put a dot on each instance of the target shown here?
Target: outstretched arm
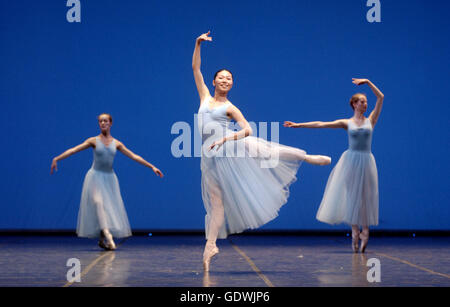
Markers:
(380, 97)
(202, 89)
(340, 123)
(137, 158)
(86, 144)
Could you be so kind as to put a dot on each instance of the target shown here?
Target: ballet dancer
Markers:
(351, 193)
(102, 213)
(238, 192)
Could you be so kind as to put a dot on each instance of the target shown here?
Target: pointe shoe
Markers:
(355, 240)
(364, 241)
(208, 254)
(324, 160)
(110, 245)
(318, 160)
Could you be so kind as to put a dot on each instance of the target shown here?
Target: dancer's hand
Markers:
(373, 117)
(360, 81)
(53, 167)
(157, 172)
(204, 37)
(217, 143)
(290, 124)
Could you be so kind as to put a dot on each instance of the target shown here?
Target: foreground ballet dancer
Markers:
(102, 213)
(238, 193)
(351, 193)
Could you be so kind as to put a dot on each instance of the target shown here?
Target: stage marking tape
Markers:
(413, 265)
(92, 264)
(88, 268)
(252, 264)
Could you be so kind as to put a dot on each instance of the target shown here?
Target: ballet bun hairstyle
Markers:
(355, 98)
(215, 75)
(107, 114)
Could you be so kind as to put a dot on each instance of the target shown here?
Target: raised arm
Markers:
(373, 117)
(85, 145)
(202, 89)
(340, 123)
(137, 158)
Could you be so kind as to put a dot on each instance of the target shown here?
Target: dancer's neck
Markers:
(220, 97)
(105, 134)
(358, 116)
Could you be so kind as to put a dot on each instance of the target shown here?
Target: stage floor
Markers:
(244, 261)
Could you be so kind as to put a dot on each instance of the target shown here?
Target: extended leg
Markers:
(297, 154)
(317, 159)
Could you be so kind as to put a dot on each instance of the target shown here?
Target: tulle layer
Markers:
(102, 206)
(245, 183)
(351, 193)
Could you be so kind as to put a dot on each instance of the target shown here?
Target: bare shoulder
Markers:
(91, 141)
(344, 122)
(119, 144)
(232, 109)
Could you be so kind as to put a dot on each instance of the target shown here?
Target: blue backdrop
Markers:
(291, 60)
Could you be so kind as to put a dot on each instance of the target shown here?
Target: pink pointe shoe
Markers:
(210, 251)
(324, 160)
(318, 159)
(364, 241)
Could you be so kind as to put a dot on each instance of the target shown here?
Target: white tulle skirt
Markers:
(245, 183)
(351, 194)
(102, 206)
